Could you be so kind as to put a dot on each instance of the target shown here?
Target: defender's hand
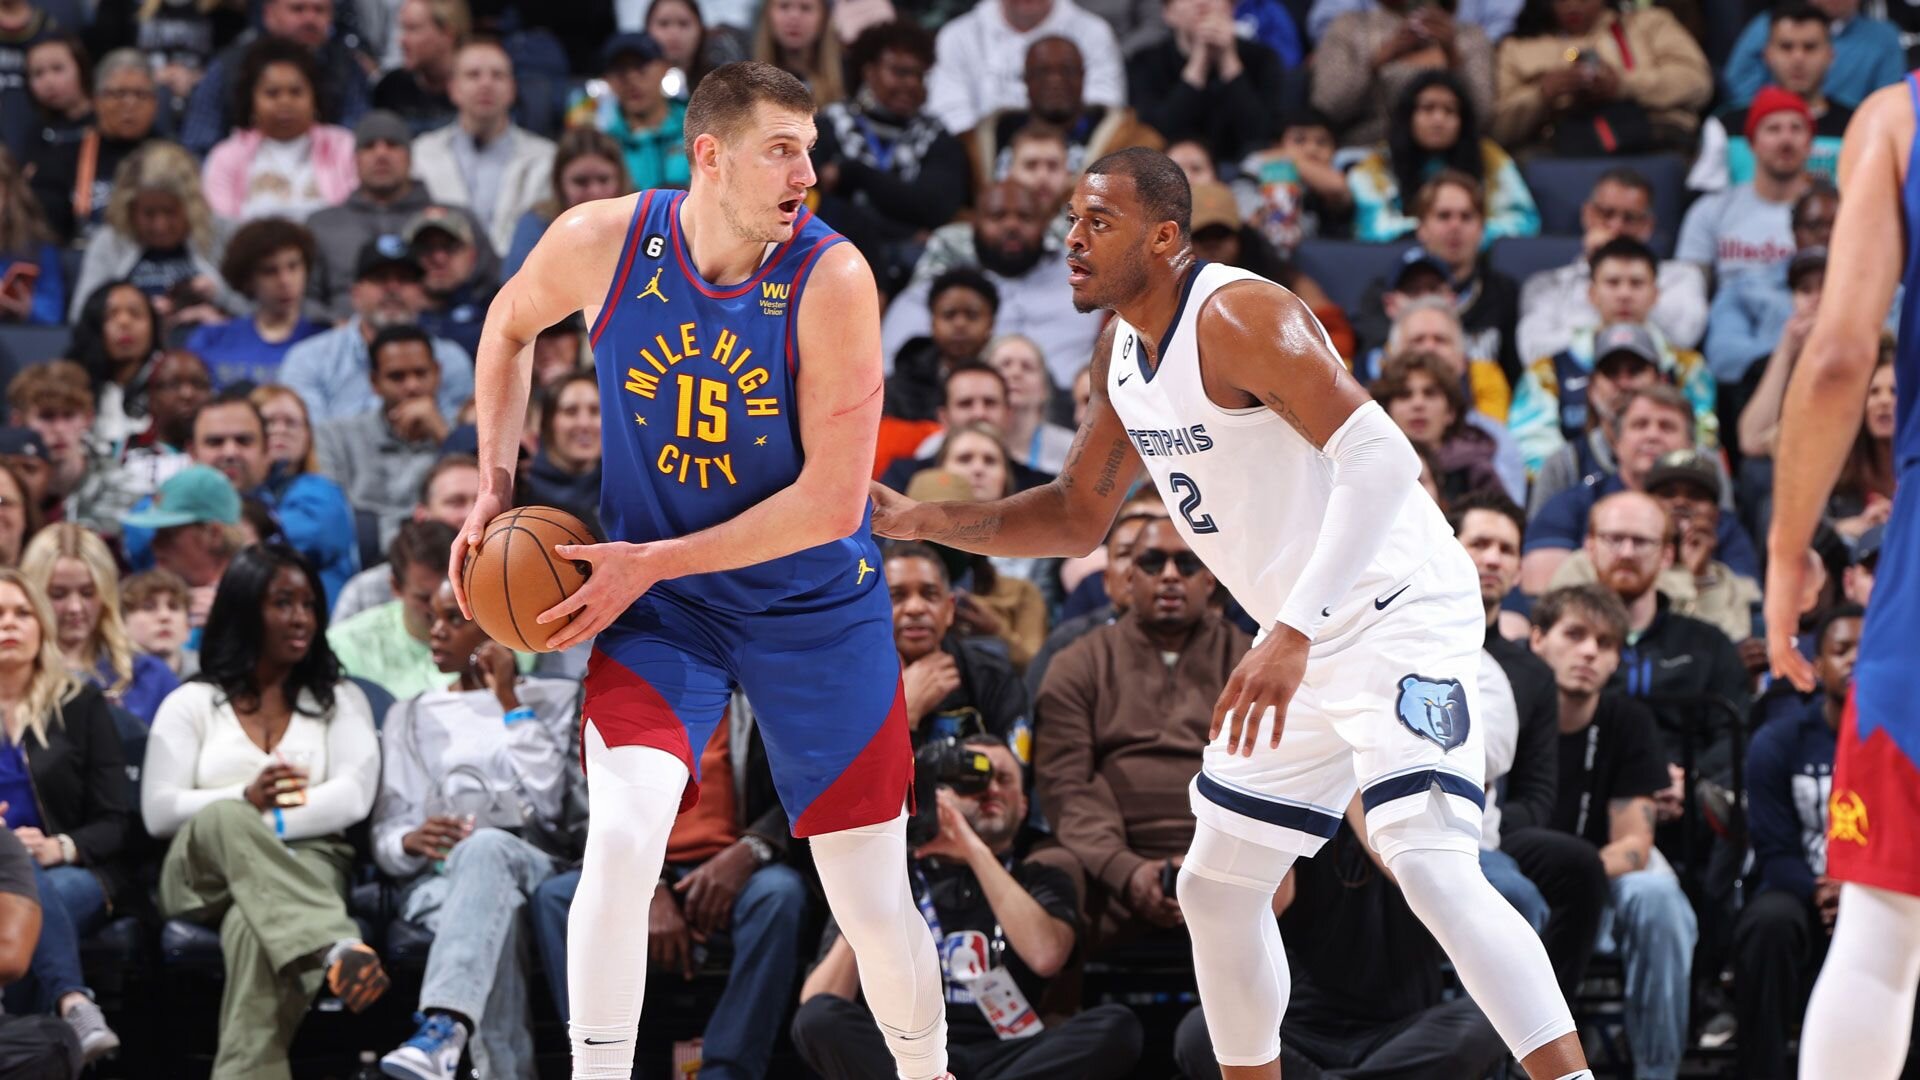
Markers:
(621, 574)
(486, 506)
(1792, 588)
(1265, 678)
(893, 513)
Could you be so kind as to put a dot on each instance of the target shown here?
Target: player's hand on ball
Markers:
(1265, 678)
(621, 574)
(892, 513)
(486, 506)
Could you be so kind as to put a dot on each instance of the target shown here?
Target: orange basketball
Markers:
(515, 575)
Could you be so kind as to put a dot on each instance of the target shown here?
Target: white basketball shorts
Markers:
(1387, 707)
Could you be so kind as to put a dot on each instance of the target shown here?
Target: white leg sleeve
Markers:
(1500, 959)
(1226, 888)
(864, 873)
(1861, 1014)
(633, 795)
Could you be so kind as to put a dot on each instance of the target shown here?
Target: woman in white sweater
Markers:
(255, 770)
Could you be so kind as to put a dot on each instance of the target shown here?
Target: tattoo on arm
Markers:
(1279, 405)
(1646, 814)
(1635, 859)
(967, 525)
(1110, 469)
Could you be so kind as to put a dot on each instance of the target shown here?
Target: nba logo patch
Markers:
(1434, 709)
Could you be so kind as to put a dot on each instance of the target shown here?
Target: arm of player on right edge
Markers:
(567, 271)
(1069, 516)
(1827, 394)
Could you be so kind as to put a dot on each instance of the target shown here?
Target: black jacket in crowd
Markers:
(1532, 784)
(80, 783)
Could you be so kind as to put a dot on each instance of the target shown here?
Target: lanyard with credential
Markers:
(923, 899)
(1586, 777)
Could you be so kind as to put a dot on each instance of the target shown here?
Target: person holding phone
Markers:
(468, 821)
(32, 287)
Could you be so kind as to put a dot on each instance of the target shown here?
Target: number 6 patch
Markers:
(656, 244)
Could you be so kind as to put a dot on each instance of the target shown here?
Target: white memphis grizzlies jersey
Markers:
(1244, 488)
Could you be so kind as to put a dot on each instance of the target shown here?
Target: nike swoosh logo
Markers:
(1124, 378)
(1326, 613)
(603, 1042)
(1381, 605)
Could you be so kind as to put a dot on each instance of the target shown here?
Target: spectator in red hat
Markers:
(1750, 226)
(1798, 55)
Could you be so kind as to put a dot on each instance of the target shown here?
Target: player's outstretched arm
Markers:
(1827, 394)
(1069, 516)
(569, 270)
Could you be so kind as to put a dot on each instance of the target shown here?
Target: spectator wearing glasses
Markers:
(1120, 724)
(74, 179)
(1753, 314)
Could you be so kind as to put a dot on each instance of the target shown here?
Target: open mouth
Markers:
(790, 208)
(1077, 272)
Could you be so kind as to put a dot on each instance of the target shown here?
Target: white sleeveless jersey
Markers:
(1246, 490)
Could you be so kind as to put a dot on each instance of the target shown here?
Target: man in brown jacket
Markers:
(1121, 720)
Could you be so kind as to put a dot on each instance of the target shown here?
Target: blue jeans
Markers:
(765, 939)
(72, 906)
(1651, 925)
(1507, 880)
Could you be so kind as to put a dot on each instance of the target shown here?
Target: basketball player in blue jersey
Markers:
(737, 341)
(1303, 498)
(1859, 1019)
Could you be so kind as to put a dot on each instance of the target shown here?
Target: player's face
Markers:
(1422, 410)
(1623, 290)
(1435, 332)
(765, 175)
(1839, 647)
(1107, 243)
(451, 638)
(1581, 651)
(922, 606)
(1494, 543)
(997, 813)
(1170, 585)
(1798, 54)
(1880, 403)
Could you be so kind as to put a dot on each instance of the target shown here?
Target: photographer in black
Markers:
(1004, 927)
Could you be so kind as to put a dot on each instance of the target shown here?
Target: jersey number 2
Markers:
(1189, 493)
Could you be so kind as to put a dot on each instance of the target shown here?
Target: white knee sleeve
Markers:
(864, 873)
(1500, 959)
(633, 795)
(1226, 888)
(1861, 1015)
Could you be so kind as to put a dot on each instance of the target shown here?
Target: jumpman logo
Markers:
(653, 286)
(864, 570)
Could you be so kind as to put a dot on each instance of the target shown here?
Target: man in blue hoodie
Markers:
(1781, 936)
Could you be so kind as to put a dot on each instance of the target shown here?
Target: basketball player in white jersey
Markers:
(1303, 498)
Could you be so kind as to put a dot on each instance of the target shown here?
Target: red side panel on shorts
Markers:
(1873, 815)
(628, 711)
(874, 787)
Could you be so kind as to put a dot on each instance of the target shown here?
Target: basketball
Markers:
(514, 574)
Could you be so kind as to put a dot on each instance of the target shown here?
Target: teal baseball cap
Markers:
(195, 494)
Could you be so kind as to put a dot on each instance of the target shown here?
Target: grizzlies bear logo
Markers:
(1434, 709)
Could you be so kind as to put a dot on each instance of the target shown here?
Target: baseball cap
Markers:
(1804, 262)
(1214, 207)
(387, 249)
(1418, 258)
(1631, 339)
(1771, 100)
(1690, 466)
(638, 45)
(444, 218)
(1869, 544)
(381, 125)
(195, 494)
(22, 442)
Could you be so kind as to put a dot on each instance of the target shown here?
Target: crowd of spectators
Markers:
(267, 235)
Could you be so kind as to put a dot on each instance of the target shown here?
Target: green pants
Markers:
(279, 907)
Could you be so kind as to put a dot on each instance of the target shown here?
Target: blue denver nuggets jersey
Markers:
(697, 412)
